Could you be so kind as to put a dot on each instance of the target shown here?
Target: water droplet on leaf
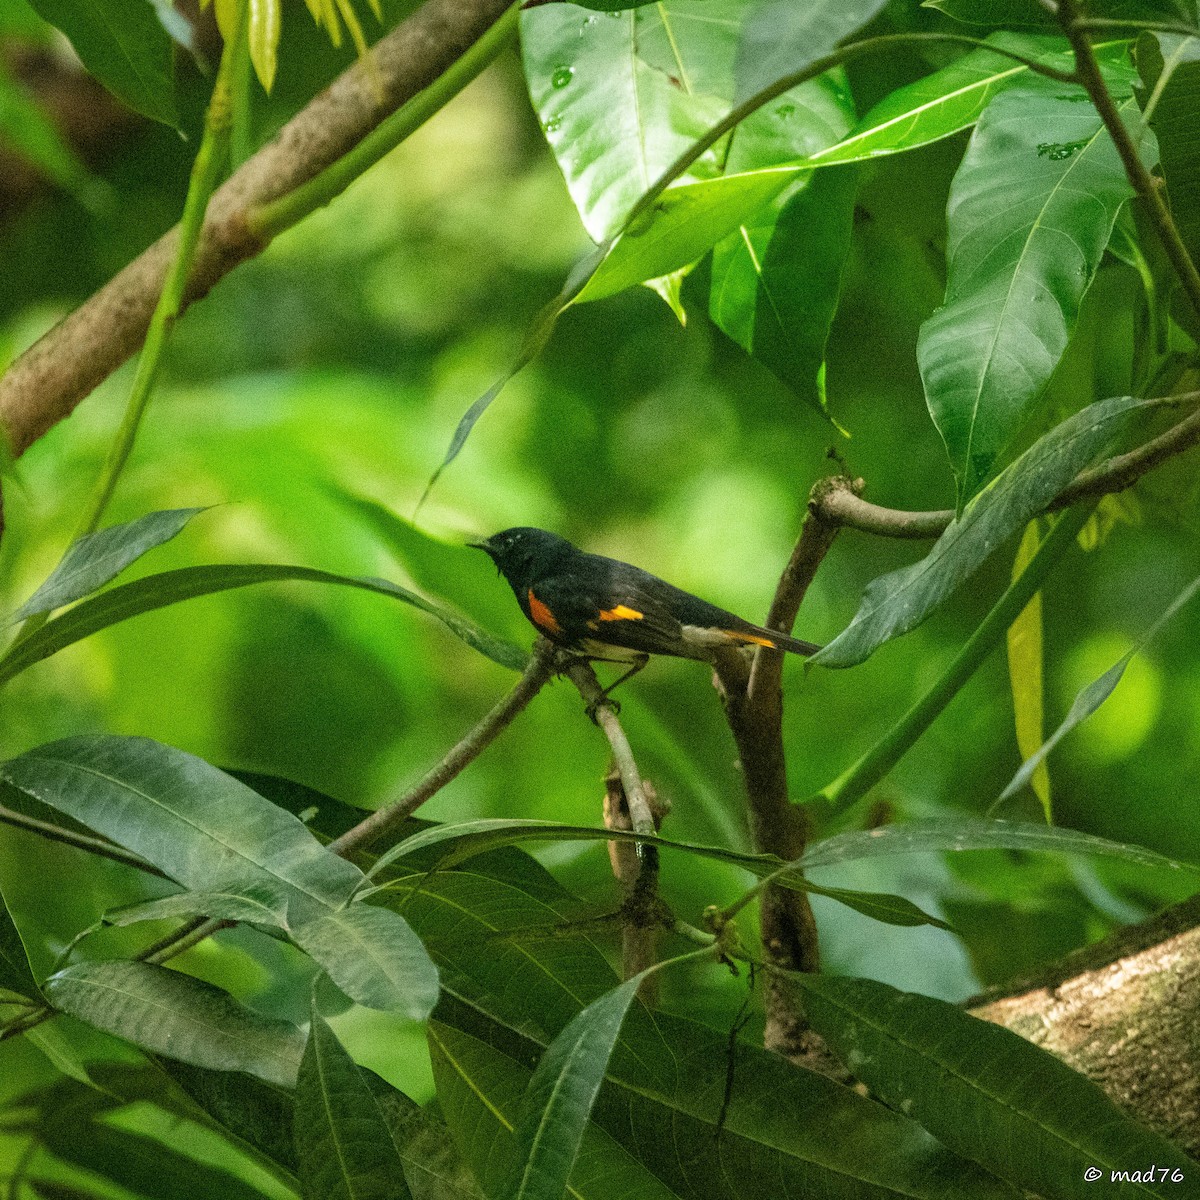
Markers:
(561, 77)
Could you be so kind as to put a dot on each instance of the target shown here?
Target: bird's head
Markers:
(524, 553)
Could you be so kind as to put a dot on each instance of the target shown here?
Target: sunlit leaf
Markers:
(982, 1090)
(225, 906)
(899, 601)
(124, 46)
(374, 957)
(344, 1146)
(174, 1014)
(158, 591)
(1092, 696)
(1025, 659)
(1030, 212)
(202, 827)
(264, 38)
(944, 102)
(98, 558)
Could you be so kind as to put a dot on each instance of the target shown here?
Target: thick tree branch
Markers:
(46, 383)
(1124, 1012)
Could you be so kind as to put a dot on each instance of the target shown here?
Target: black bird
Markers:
(609, 610)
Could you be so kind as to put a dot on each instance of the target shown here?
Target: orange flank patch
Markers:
(751, 638)
(543, 618)
(621, 613)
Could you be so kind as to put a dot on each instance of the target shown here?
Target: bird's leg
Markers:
(603, 698)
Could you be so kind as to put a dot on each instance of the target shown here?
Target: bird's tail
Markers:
(756, 635)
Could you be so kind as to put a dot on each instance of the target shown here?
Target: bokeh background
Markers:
(325, 378)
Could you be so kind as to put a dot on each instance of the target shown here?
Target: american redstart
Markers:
(608, 610)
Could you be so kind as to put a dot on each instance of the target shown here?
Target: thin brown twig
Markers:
(840, 503)
(1143, 183)
(81, 841)
(388, 819)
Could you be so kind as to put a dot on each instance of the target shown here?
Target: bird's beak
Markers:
(480, 546)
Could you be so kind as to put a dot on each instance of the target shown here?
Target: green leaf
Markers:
(141, 1164)
(170, 1013)
(186, 583)
(1170, 69)
(686, 221)
(225, 906)
(1025, 659)
(945, 102)
(16, 975)
(1091, 697)
(775, 281)
(1030, 213)
(781, 37)
(98, 558)
(559, 1099)
(202, 827)
(344, 1146)
(899, 601)
(1028, 14)
(879, 906)
(25, 128)
(972, 833)
(984, 1091)
(264, 39)
(124, 46)
(374, 957)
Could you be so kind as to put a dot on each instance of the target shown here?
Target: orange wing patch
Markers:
(621, 613)
(543, 618)
(751, 638)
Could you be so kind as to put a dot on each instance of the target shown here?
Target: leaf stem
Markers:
(206, 171)
(275, 216)
(81, 841)
(1144, 184)
(854, 783)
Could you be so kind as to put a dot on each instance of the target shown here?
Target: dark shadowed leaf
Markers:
(558, 1102)
(16, 975)
(1091, 697)
(171, 587)
(775, 281)
(98, 558)
(899, 601)
(169, 1013)
(1170, 68)
(1028, 14)
(202, 827)
(374, 957)
(342, 1141)
(1030, 213)
(986, 1092)
(26, 128)
(124, 46)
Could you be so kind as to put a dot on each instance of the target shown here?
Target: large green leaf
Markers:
(124, 45)
(558, 1102)
(1091, 697)
(1170, 69)
(986, 1092)
(374, 957)
(202, 827)
(943, 103)
(98, 558)
(775, 280)
(169, 1013)
(186, 583)
(514, 975)
(224, 906)
(343, 1143)
(899, 601)
(1030, 213)
(781, 37)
